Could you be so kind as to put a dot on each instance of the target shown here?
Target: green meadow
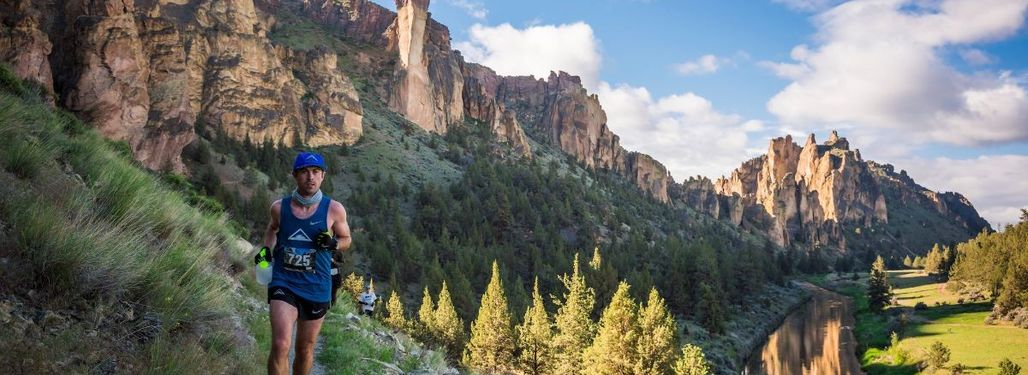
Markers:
(976, 346)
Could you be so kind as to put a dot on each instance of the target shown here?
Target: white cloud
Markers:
(975, 56)
(996, 185)
(879, 67)
(475, 9)
(536, 50)
(785, 70)
(704, 65)
(684, 131)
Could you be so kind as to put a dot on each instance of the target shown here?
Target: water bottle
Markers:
(263, 269)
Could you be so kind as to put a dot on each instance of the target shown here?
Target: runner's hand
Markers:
(326, 241)
(263, 254)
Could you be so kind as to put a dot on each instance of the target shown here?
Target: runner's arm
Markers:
(340, 228)
(270, 233)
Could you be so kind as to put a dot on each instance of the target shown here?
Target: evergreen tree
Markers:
(491, 347)
(534, 336)
(394, 309)
(354, 285)
(907, 262)
(709, 309)
(692, 362)
(937, 356)
(657, 350)
(1008, 367)
(449, 326)
(614, 349)
(574, 327)
(602, 277)
(878, 290)
(918, 262)
(933, 262)
(948, 257)
(426, 319)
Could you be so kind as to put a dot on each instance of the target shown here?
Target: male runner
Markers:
(306, 228)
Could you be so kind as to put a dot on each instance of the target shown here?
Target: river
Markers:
(816, 339)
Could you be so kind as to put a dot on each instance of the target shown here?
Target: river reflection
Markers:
(815, 339)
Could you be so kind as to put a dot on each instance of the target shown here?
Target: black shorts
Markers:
(306, 310)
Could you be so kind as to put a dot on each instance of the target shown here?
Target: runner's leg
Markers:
(306, 336)
(282, 317)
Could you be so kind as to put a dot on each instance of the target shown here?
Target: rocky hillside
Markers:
(152, 72)
(826, 195)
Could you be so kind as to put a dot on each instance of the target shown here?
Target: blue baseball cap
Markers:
(308, 159)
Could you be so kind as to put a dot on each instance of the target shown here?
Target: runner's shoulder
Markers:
(336, 208)
(276, 207)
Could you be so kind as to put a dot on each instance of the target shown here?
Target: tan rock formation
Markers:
(169, 126)
(246, 90)
(570, 117)
(108, 82)
(147, 75)
(804, 194)
(650, 175)
(360, 20)
(480, 103)
(699, 194)
(333, 111)
(23, 44)
(428, 86)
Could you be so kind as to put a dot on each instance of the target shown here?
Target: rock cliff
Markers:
(804, 193)
(149, 72)
(428, 84)
(819, 195)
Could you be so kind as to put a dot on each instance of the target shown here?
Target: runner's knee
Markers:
(280, 346)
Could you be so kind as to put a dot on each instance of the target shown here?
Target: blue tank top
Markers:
(298, 265)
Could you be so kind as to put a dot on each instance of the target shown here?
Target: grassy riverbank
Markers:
(961, 327)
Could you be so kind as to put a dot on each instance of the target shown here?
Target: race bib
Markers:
(298, 260)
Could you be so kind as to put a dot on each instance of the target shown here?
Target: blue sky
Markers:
(936, 87)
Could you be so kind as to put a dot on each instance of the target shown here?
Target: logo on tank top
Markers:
(299, 235)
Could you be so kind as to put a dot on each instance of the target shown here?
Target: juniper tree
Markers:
(574, 327)
(602, 276)
(354, 285)
(396, 318)
(449, 326)
(491, 347)
(709, 310)
(426, 319)
(657, 351)
(933, 262)
(937, 356)
(692, 362)
(1008, 367)
(613, 351)
(534, 336)
(878, 290)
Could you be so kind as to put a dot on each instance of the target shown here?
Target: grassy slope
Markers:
(977, 346)
(85, 234)
(135, 277)
(960, 327)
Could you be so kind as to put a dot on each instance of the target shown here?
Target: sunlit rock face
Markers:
(804, 193)
(428, 84)
(147, 72)
(813, 195)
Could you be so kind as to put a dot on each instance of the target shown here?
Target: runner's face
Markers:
(308, 180)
